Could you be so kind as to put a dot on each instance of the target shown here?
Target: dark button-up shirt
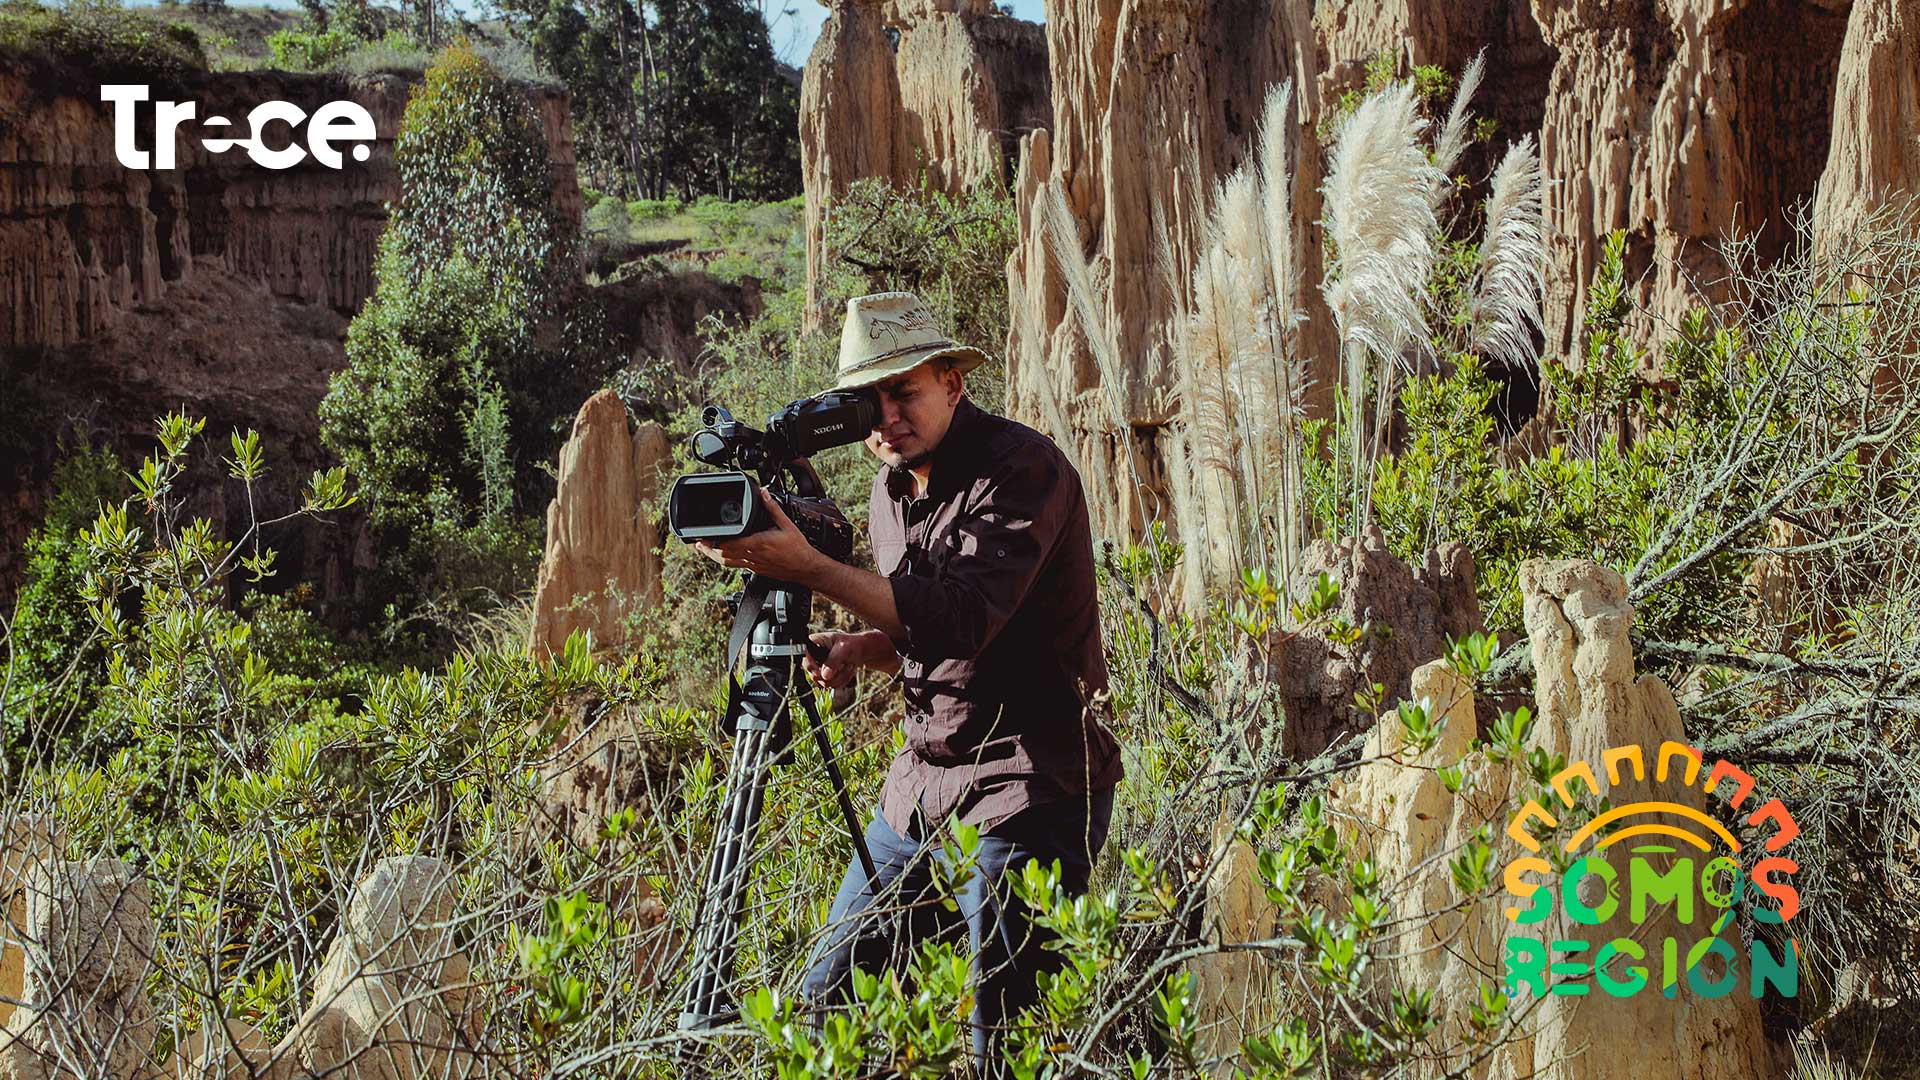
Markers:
(1002, 667)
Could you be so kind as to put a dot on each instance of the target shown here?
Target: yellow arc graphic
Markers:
(1653, 829)
(1619, 812)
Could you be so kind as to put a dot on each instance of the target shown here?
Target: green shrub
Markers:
(251, 792)
(461, 364)
(90, 37)
(308, 50)
(59, 662)
(518, 62)
(654, 209)
(722, 223)
(418, 417)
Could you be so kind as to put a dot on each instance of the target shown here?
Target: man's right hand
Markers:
(847, 653)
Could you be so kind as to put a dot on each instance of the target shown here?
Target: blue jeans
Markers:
(878, 924)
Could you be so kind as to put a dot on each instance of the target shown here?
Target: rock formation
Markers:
(894, 87)
(391, 1002)
(26, 840)
(1680, 124)
(227, 1056)
(1397, 810)
(1405, 615)
(1677, 123)
(602, 564)
(1874, 147)
(84, 239)
(83, 1001)
(1588, 701)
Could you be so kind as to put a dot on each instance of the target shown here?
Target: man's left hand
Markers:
(781, 552)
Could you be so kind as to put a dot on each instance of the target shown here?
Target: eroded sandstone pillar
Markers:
(603, 562)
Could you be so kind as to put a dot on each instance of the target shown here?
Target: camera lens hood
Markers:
(715, 506)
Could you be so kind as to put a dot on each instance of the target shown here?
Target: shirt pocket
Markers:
(888, 555)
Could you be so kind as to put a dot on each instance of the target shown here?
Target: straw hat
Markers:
(889, 333)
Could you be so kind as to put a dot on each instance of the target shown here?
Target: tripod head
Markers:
(771, 631)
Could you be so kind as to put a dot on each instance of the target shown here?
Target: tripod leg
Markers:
(723, 900)
(854, 828)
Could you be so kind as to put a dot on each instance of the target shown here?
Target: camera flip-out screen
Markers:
(714, 506)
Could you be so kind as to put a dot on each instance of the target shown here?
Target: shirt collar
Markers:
(949, 458)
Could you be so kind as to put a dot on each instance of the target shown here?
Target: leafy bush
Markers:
(449, 383)
(519, 63)
(655, 209)
(58, 662)
(95, 36)
(309, 50)
(253, 797)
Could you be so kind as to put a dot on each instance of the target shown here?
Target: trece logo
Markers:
(332, 123)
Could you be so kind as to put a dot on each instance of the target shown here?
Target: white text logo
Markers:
(334, 122)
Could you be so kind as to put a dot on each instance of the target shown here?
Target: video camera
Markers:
(725, 505)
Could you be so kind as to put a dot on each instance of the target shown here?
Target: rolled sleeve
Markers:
(1003, 540)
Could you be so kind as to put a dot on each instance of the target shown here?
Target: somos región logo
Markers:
(1650, 893)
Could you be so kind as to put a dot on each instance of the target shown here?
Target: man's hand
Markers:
(847, 653)
(781, 552)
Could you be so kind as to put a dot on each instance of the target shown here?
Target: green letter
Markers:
(1526, 962)
(1577, 910)
(1696, 977)
(1570, 972)
(1673, 887)
(1769, 968)
(1621, 988)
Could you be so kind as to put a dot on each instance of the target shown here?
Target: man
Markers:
(985, 605)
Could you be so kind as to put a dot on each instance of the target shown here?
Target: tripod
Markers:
(770, 624)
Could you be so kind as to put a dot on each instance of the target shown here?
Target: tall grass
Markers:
(1240, 373)
(1381, 227)
(1511, 282)
(1234, 332)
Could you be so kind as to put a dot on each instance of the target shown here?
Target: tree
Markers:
(672, 97)
(467, 349)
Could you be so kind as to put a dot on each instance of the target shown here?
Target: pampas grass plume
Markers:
(1453, 134)
(1380, 222)
(1510, 285)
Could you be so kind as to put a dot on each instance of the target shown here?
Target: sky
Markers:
(793, 34)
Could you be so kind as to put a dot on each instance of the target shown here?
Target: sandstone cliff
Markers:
(1675, 122)
(1680, 124)
(895, 87)
(1874, 145)
(83, 240)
